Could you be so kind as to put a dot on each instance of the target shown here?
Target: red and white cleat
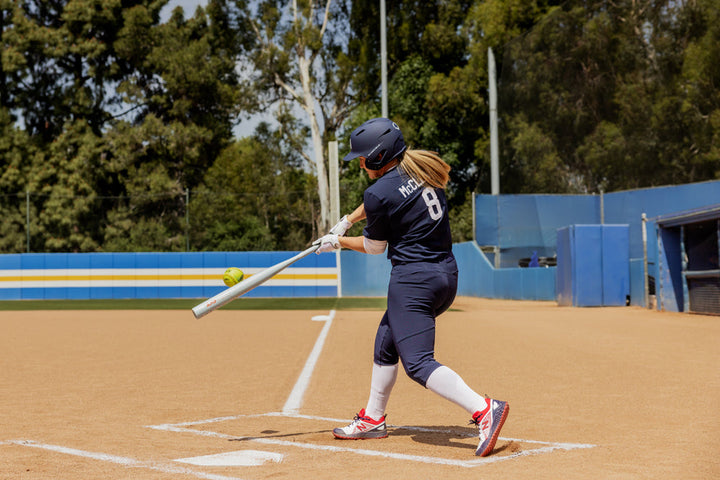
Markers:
(489, 422)
(362, 428)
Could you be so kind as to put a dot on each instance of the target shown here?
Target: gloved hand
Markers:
(342, 226)
(327, 243)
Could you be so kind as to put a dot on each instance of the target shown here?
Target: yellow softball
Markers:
(232, 276)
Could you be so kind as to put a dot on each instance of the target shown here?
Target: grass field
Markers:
(188, 303)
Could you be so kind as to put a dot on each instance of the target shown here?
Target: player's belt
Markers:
(439, 259)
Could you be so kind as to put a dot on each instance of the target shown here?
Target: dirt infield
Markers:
(601, 393)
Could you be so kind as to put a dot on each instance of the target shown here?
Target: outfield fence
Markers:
(79, 276)
(508, 228)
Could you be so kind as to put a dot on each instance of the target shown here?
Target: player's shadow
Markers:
(275, 434)
(444, 436)
(438, 436)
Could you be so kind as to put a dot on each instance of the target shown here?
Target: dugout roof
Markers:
(708, 212)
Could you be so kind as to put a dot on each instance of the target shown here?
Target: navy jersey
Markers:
(413, 219)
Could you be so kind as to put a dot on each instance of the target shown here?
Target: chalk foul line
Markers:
(294, 401)
(124, 461)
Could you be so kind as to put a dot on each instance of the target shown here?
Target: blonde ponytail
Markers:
(426, 168)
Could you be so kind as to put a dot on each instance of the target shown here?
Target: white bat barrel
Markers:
(230, 294)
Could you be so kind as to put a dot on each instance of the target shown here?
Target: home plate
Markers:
(241, 458)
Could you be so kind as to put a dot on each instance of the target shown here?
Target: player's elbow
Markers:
(374, 247)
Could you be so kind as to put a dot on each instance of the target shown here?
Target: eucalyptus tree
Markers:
(300, 70)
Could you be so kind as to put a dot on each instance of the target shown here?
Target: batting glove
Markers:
(328, 243)
(342, 226)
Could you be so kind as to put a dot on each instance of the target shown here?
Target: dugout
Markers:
(688, 245)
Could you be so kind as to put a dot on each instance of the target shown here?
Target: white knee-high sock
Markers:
(383, 380)
(449, 385)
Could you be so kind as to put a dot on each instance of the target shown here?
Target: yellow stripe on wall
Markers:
(54, 278)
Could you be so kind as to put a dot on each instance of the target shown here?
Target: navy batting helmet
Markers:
(378, 140)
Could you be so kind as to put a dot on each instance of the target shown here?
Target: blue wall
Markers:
(157, 275)
(593, 265)
(517, 225)
(478, 278)
(521, 224)
(364, 275)
(368, 276)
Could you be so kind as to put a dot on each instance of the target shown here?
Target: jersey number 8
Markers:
(433, 203)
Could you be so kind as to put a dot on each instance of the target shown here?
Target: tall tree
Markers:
(612, 91)
(60, 70)
(117, 109)
(17, 155)
(254, 198)
(63, 183)
(300, 63)
(184, 97)
(185, 76)
(60, 56)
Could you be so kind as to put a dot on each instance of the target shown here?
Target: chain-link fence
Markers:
(197, 220)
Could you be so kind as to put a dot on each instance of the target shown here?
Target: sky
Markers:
(188, 6)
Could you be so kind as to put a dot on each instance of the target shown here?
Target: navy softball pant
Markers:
(417, 293)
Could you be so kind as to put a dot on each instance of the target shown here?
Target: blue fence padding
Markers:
(530, 220)
(538, 283)
(593, 265)
(517, 224)
(364, 275)
(37, 276)
(506, 281)
(57, 261)
(671, 296)
(615, 264)
(368, 276)
(32, 261)
(587, 270)
(523, 221)
(11, 261)
(487, 224)
(579, 257)
(160, 260)
(475, 273)
(477, 277)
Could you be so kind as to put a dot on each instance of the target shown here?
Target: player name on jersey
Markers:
(408, 187)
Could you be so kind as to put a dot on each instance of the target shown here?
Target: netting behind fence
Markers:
(175, 221)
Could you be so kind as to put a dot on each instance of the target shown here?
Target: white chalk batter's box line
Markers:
(543, 447)
(292, 405)
(163, 467)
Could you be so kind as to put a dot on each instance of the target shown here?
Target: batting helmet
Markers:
(378, 140)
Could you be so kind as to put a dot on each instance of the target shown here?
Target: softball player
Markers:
(407, 214)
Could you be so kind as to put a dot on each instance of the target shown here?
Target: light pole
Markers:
(494, 149)
(383, 59)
